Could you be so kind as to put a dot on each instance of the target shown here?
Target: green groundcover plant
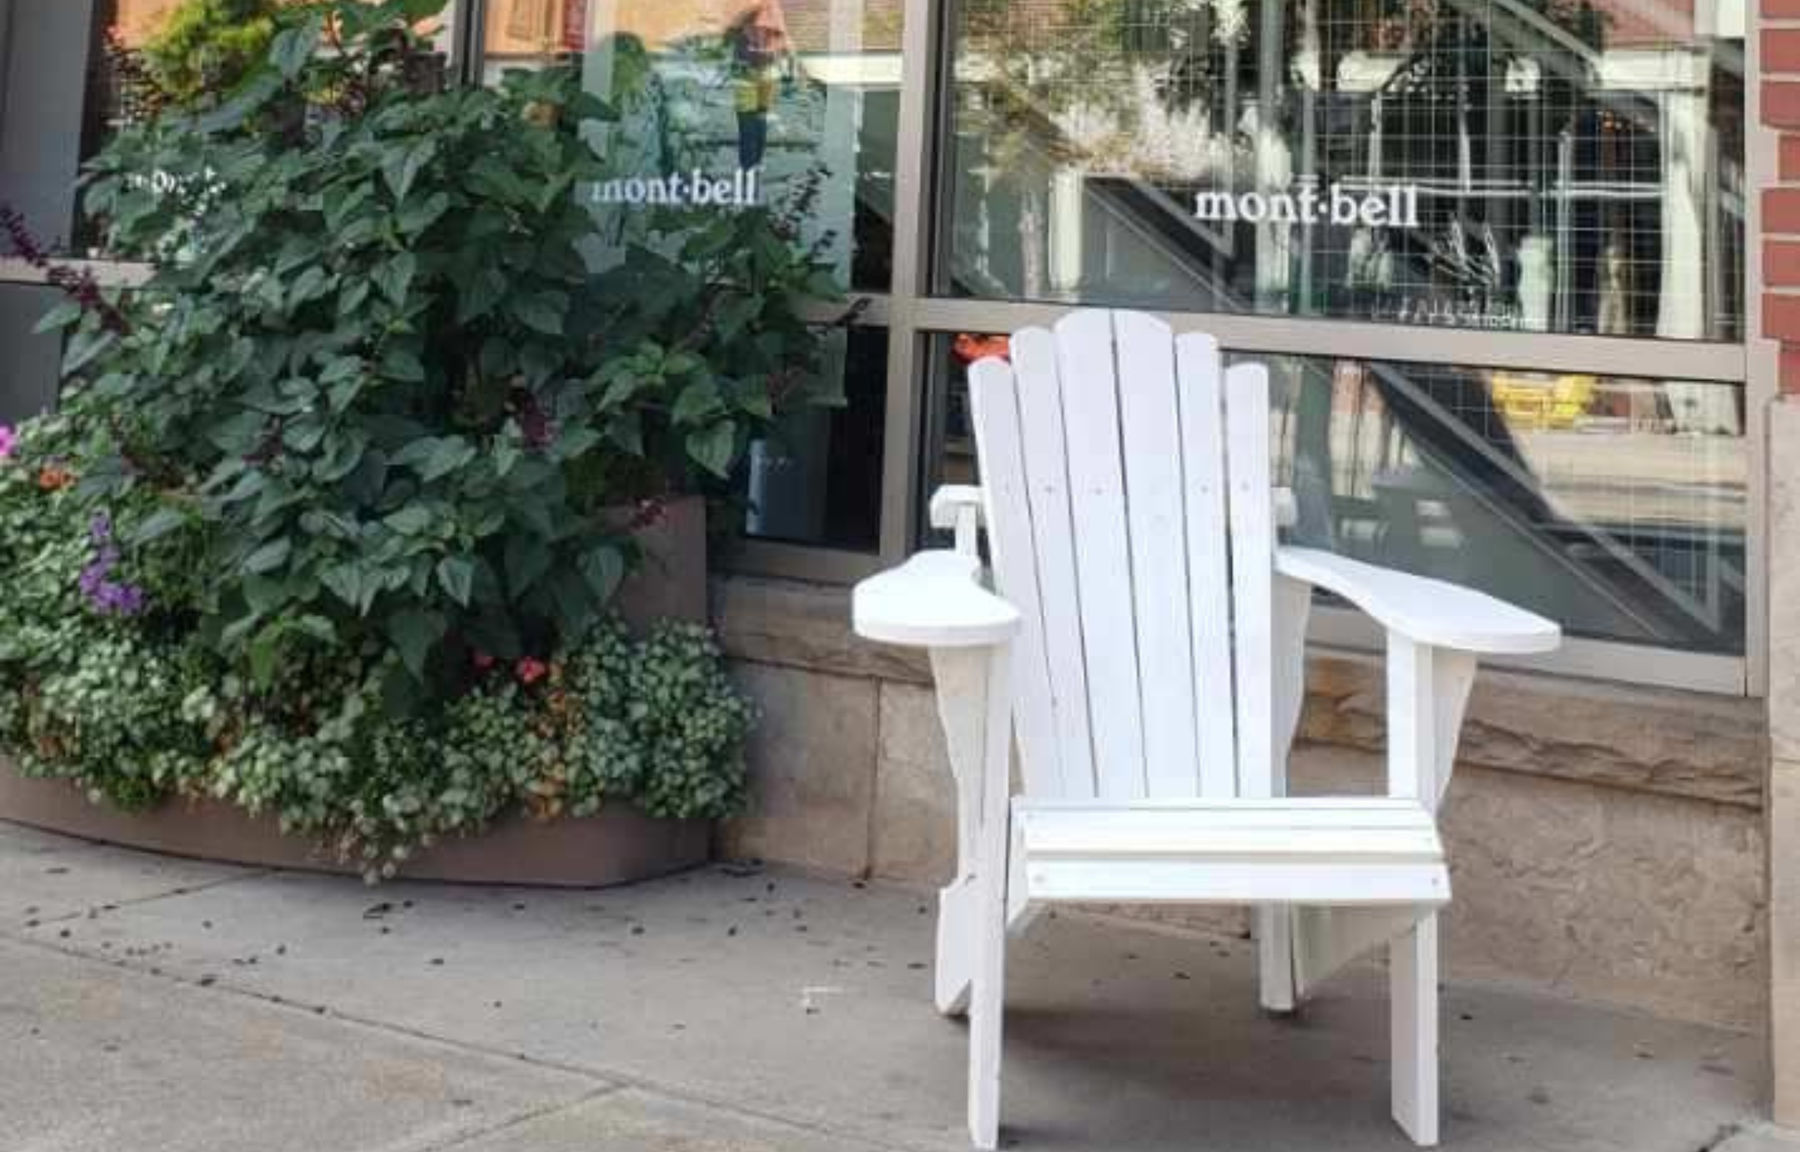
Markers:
(328, 523)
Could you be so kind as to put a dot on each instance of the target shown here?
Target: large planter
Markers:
(616, 846)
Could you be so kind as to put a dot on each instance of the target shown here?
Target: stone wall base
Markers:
(1606, 843)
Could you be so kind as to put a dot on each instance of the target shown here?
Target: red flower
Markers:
(481, 660)
(530, 670)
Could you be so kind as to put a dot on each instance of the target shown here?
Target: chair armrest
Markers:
(934, 600)
(1421, 609)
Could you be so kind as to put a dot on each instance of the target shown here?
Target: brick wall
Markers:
(1779, 108)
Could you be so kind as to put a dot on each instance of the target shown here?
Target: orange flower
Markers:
(52, 477)
(969, 347)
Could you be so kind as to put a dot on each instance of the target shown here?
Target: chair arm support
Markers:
(934, 600)
(1420, 609)
(959, 507)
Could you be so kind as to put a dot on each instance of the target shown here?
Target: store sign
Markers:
(696, 189)
(1389, 206)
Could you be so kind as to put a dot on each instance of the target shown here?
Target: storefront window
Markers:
(1567, 166)
(1578, 496)
(733, 102)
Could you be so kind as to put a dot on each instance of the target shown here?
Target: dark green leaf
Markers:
(603, 568)
(402, 167)
(457, 576)
(157, 525)
(411, 520)
(714, 449)
(293, 47)
(61, 316)
(415, 632)
(527, 559)
(542, 311)
(270, 556)
(395, 276)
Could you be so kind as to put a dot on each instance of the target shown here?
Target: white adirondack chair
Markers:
(1144, 647)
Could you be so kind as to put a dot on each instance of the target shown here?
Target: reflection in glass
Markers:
(1569, 166)
(1577, 496)
(727, 102)
(818, 479)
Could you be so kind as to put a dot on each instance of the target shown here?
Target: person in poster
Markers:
(759, 42)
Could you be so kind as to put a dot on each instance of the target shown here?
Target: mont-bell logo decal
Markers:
(1378, 206)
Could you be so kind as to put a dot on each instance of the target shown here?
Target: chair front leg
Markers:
(1428, 691)
(987, 996)
(961, 675)
(1413, 1004)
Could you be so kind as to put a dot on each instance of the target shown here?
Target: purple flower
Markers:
(9, 441)
(106, 596)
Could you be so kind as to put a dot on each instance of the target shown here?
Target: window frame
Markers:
(912, 315)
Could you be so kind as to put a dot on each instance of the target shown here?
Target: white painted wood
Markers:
(954, 971)
(934, 600)
(1279, 979)
(1145, 649)
(1085, 355)
(954, 505)
(1413, 1004)
(1046, 476)
(1202, 416)
(994, 401)
(961, 678)
(1150, 431)
(1453, 679)
(1178, 881)
(987, 996)
(1429, 611)
(1326, 939)
(1412, 737)
(1252, 573)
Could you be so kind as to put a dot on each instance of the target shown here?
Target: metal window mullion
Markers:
(920, 55)
(1354, 339)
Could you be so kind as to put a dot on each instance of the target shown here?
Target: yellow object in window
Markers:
(1539, 400)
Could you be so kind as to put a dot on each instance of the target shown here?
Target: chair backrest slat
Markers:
(1252, 573)
(1046, 479)
(1150, 428)
(1090, 396)
(1000, 441)
(1202, 404)
(1131, 521)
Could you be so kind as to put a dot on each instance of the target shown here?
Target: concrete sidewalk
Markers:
(158, 1005)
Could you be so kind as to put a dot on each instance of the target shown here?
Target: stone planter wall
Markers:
(1606, 841)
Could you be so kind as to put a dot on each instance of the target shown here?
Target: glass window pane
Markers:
(818, 479)
(1573, 166)
(1581, 497)
(735, 101)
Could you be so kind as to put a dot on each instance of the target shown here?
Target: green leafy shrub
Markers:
(372, 364)
(329, 523)
(118, 693)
